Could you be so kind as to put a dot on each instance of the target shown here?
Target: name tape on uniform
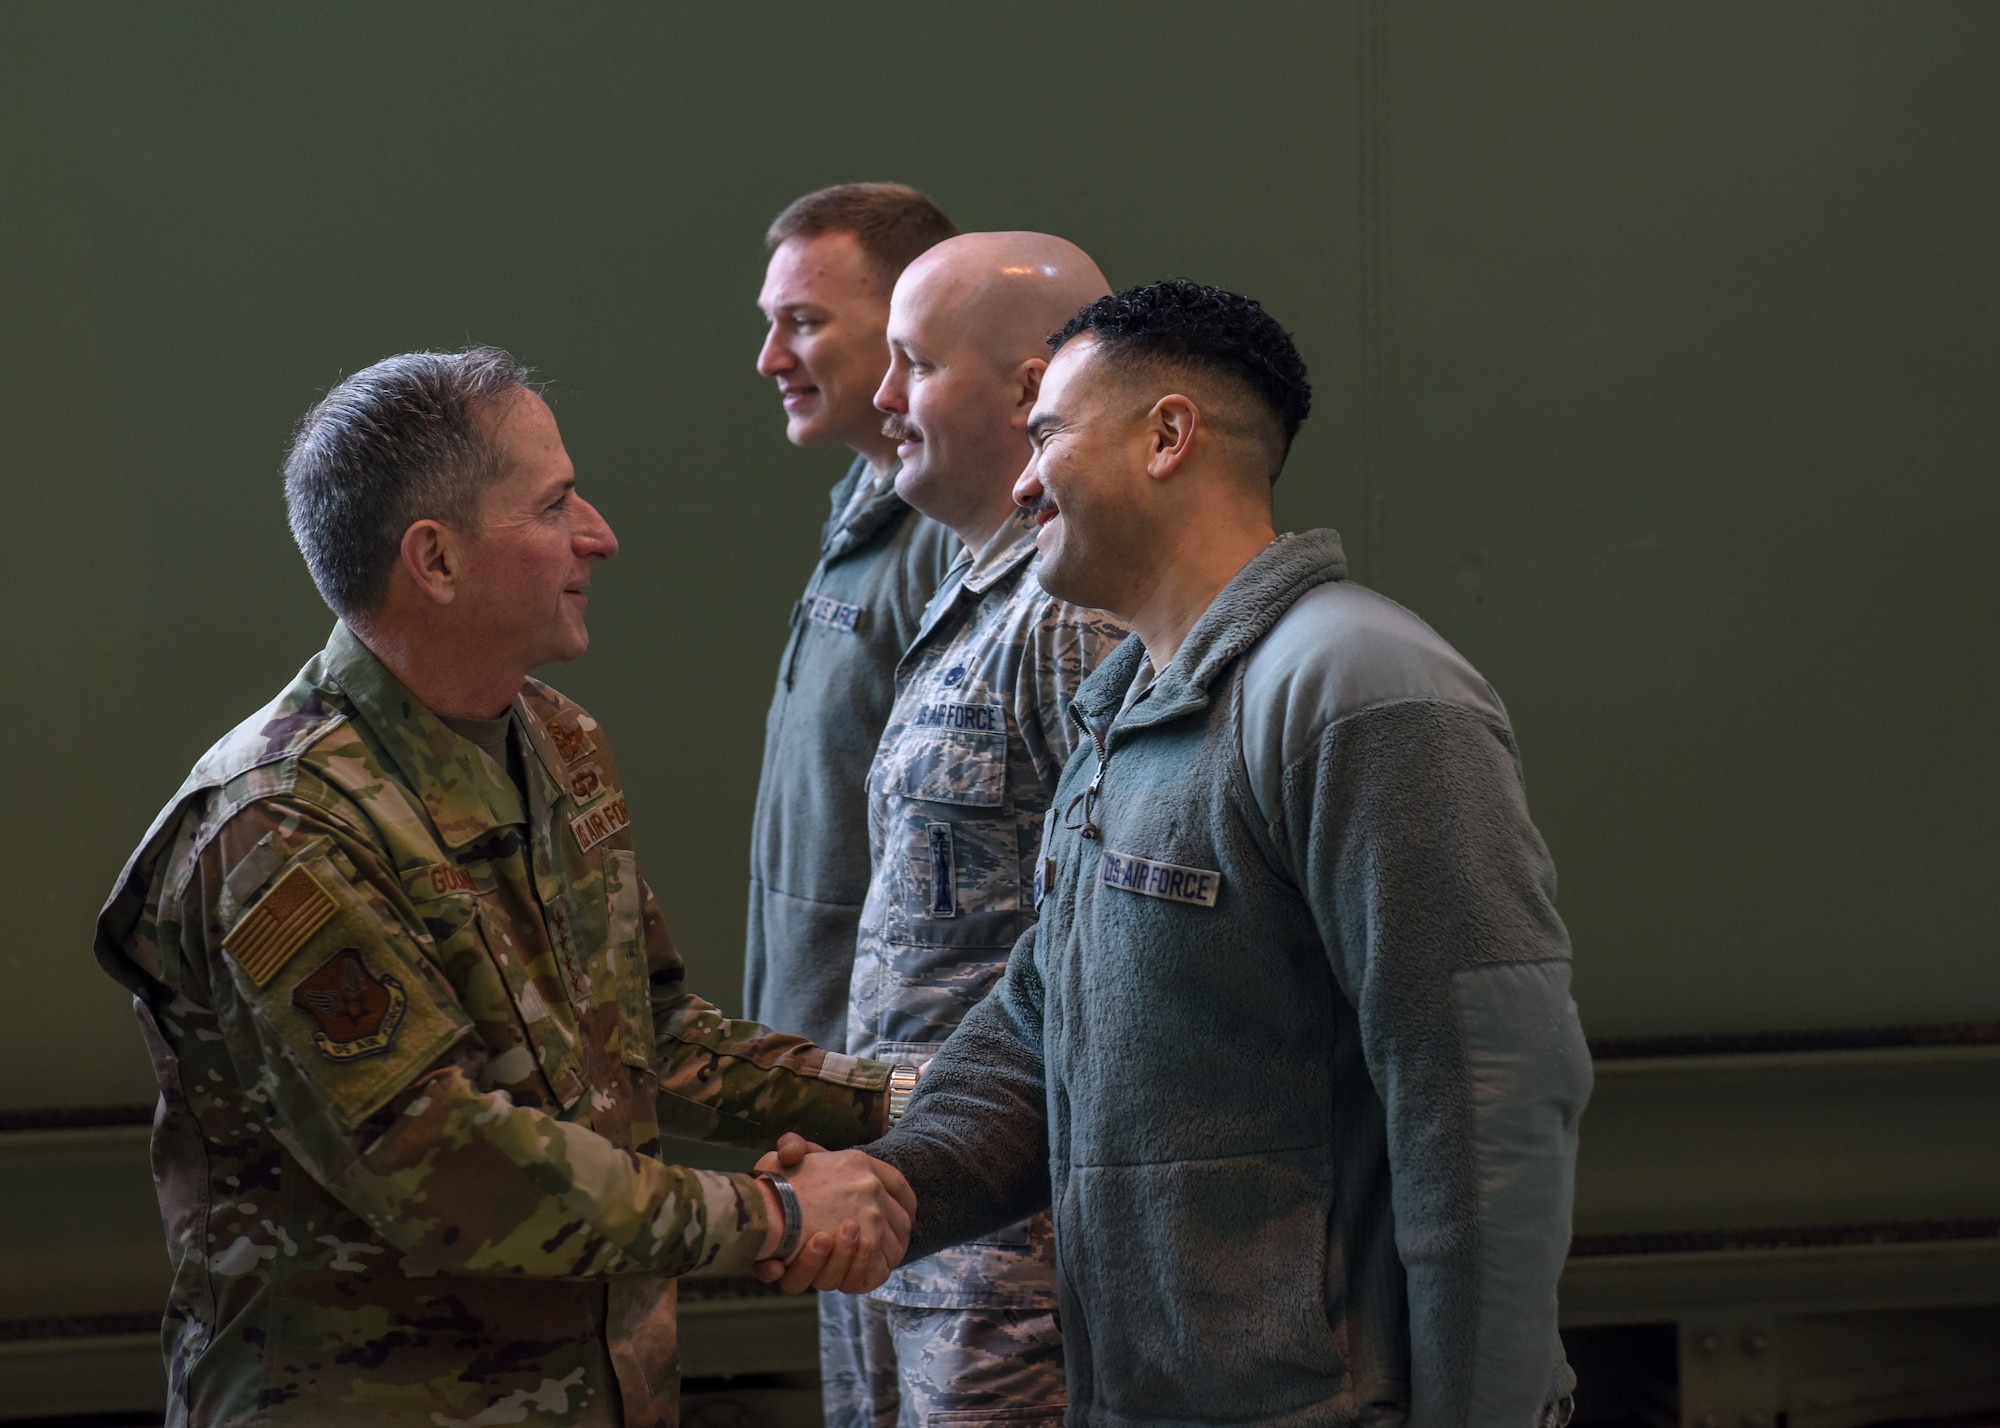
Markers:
(981, 718)
(437, 879)
(600, 822)
(1168, 881)
(823, 610)
(279, 924)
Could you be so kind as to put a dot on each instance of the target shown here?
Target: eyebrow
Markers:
(1042, 421)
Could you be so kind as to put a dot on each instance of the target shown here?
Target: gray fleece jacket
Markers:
(1291, 1050)
(879, 564)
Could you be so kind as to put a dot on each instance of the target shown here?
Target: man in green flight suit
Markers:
(835, 256)
(416, 1019)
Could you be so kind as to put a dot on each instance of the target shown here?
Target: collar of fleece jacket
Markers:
(1240, 615)
(846, 529)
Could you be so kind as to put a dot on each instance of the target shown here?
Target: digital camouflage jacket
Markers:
(416, 1046)
(964, 773)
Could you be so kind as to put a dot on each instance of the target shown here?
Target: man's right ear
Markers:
(430, 558)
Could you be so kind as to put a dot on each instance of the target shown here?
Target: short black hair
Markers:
(394, 444)
(1176, 323)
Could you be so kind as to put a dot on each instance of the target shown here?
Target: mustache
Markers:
(1040, 506)
(896, 429)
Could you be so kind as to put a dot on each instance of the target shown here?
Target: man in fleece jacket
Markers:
(1291, 1048)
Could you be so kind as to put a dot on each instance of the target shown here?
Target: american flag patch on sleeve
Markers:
(279, 924)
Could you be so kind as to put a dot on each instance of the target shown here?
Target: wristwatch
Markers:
(902, 1085)
(788, 1203)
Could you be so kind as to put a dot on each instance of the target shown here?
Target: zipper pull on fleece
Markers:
(1088, 798)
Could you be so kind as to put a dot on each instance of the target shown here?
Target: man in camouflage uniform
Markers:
(417, 1022)
(835, 256)
(956, 796)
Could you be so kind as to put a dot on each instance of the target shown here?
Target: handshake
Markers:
(855, 1215)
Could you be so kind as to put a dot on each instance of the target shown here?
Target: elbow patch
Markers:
(349, 1005)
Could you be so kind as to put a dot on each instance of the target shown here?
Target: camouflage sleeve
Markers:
(974, 1144)
(358, 1051)
(740, 1083)
(1065, 646)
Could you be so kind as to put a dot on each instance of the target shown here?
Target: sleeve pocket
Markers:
(342, 988)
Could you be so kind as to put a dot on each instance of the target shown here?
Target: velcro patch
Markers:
(586, 784)
(572, 741)
(844, 1070)
(278, 925)
(355, 1012)
(601, 822)
(822, 610)
(1169, 881)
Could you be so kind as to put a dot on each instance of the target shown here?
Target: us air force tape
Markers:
(1168, 881)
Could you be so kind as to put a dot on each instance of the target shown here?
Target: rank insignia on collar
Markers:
(571, 739)
(356, 1012)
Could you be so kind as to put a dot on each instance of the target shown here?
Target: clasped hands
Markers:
(855, 1214)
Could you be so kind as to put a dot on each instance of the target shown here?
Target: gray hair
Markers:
(396, 443)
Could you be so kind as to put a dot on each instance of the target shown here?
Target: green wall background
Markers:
(1654, 347)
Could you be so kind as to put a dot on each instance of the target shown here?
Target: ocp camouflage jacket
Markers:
(956, 795)
(416, 1045)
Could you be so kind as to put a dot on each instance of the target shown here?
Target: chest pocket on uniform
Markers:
(485, 990)
(960, 866)
(964, 765)
(545, 1013)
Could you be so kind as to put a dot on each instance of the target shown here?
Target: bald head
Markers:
(1003, 292)
(968, 342)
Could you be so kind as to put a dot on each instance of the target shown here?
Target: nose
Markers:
(774, 357)
(1028, 486)
(890, 396)
(594, 538)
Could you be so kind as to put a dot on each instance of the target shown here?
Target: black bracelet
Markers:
(788, 1202)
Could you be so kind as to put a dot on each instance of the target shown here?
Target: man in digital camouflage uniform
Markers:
(960, 783)
(835, 256)
(417, 1023)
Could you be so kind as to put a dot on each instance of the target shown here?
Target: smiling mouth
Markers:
(1044, 514)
